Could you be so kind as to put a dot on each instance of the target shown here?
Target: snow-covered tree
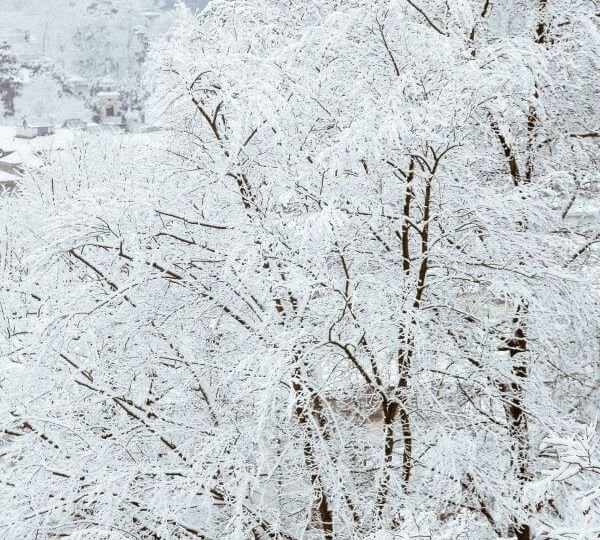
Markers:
(9, 81)
(348, 294)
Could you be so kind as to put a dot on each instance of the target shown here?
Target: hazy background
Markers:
(57, 55)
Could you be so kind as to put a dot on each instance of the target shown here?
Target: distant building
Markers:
(151, 15)
(79, 85)
(106, 85)
(110, 106)
(38, 129)
(75, 123)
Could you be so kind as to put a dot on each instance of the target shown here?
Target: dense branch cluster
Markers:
(350, 292)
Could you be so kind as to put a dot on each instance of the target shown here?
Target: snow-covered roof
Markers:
(6, 177)
(10, 156)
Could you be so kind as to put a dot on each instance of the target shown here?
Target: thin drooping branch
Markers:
(592, 241)
(95, 269)
(574, 195)
(427, 18)
(381, 27)
(192, 222)
(585, 135)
